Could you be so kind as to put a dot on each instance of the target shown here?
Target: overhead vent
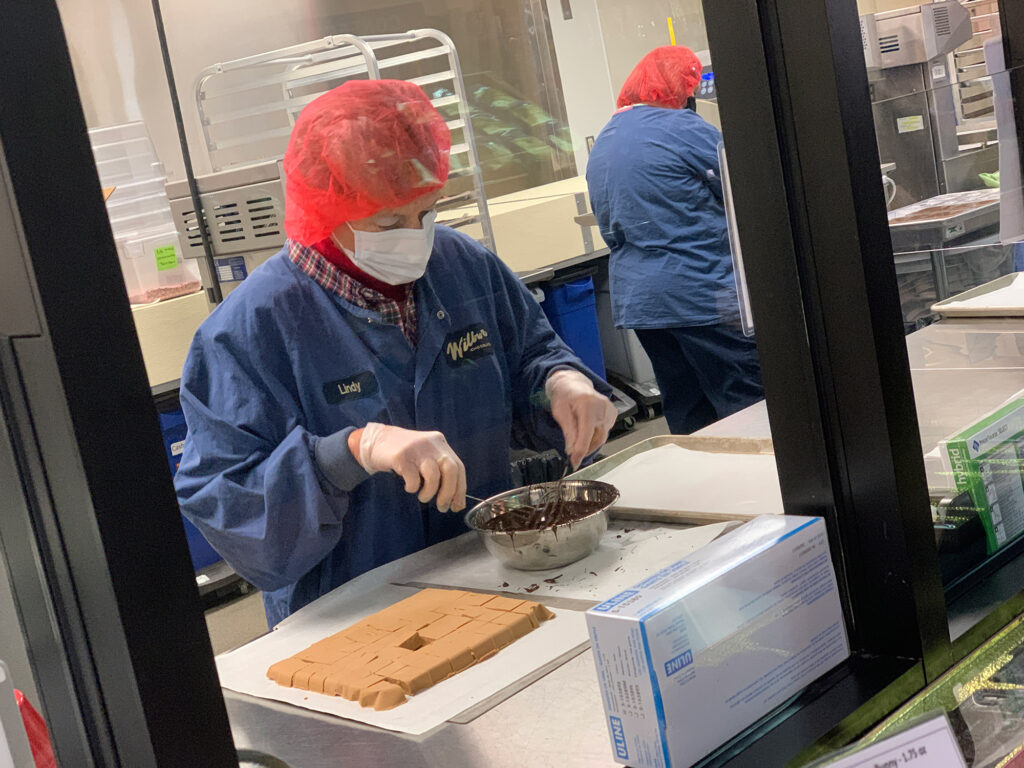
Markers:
(943, 26)
(889, 43)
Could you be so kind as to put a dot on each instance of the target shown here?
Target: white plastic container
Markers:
(114, 134)
(154, 268)
(140, 215)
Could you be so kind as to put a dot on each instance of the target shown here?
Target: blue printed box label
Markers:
(619, 738)
(622, 597)
(682, 661)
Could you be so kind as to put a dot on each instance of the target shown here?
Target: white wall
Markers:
(633, 27)
(602, 43)
(583, 69)
(120, 75)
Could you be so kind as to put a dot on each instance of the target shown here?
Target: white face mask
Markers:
(394, 256)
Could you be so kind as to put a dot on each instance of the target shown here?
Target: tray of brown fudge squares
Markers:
(410, 646)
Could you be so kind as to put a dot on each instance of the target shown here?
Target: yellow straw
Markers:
(671, 31)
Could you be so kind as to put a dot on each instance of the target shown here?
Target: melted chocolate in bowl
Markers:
(540, 516)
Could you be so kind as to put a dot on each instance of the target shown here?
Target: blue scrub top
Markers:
(282, 363)
(655, 188)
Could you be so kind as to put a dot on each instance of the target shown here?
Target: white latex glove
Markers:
(424, 460)
(583, 413)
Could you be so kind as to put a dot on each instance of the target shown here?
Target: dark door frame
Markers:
(88, 466)
(90, 528)
(798, 128)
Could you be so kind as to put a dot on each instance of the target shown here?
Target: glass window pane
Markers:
(943, 110)
(613, 214)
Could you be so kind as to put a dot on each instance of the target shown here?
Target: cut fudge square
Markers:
(480, 645)
(456, 651)
(499, 603)
(442, 627)
(284, 671)
(302, 676)
(518, 623)
(472, 599)
(381, 695)
(412, 679)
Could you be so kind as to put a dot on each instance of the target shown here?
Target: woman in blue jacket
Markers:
(352, 388)
(655, 189)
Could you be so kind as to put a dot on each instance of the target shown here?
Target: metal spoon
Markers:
(565, 473)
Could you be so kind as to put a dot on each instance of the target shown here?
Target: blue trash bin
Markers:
(172, 425)
(571, 309)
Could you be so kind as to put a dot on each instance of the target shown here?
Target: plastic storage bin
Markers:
(154, 268)
(572, 310)
(151, 256)
(172, 425)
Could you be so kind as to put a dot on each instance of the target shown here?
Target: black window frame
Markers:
(796, 113)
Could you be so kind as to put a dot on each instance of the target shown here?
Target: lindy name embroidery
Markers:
(352, 388)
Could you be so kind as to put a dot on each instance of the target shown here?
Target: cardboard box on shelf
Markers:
(692, 655)
(985, 459)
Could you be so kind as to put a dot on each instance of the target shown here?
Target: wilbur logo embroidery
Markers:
(470, 343)
(353, 388)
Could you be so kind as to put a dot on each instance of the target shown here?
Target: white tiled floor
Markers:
(243, 620)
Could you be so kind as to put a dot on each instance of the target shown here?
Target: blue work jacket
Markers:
(656, 190)
(282, 363)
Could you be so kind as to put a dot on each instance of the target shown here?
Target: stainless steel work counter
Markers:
(556, 721)
(960, 369)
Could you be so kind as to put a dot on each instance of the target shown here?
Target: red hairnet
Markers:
(665, 77)
(359, 148)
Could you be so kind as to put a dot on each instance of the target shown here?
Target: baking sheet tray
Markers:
(244, 670)
(676, 509)
(629, 553)
(1002, 297)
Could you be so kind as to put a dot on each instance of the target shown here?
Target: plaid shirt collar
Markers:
(334, 281)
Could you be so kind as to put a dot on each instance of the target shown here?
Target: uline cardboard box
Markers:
(695, 653)
(986, 460)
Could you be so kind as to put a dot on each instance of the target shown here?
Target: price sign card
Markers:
(930, 744)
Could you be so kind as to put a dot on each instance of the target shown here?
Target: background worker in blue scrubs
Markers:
(655, 189)
(352, 388)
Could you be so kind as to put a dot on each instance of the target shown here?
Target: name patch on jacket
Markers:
(353, 388)
(470, 343)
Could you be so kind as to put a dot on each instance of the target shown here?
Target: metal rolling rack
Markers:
(960, 225)
(974, 95)
(247, 108)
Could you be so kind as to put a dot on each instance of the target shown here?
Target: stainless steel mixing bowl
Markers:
(548, 547)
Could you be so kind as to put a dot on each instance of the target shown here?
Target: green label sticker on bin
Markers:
(166, 257)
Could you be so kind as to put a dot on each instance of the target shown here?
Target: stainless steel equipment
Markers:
(247, 225)
(538, 550)
(917, 105)
(247, 108)
(945, 245)
(923, 33)
(945, 220)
